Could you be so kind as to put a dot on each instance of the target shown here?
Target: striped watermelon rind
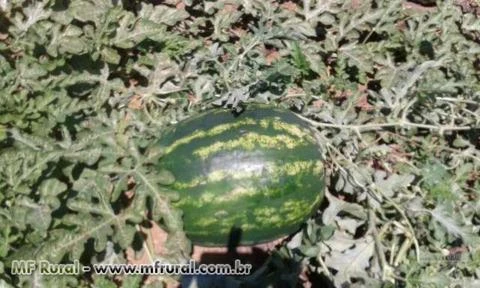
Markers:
(260, 173)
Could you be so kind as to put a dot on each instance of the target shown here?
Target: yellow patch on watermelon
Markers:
(269, 216)
(248, 142)
(217, 130)
(294, 210)
(234, 194)
(274, 171)
(205, 221)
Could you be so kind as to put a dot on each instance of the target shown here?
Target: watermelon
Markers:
(256, 176)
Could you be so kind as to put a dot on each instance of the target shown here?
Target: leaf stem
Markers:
(378, 244)
(379, 126)
(324, 266)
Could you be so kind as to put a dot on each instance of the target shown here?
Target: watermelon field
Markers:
(325, 143)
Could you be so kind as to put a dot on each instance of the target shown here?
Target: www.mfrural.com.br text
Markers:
(43, 267)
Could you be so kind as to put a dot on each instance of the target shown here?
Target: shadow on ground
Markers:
(269, 269)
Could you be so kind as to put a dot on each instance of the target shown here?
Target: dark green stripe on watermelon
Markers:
(260, 172)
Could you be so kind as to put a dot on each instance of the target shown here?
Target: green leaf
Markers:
(299, 59)
(336, 205)
(111, 55)
(326, 232)
(86, 11)
(162, 14)
(453, 226)
(165, 177)
(351, 262)
(3, 133)
(73, 45)
(433, 174)
(393, 183)
(142, 29)
(326, 19)
(104, 282)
